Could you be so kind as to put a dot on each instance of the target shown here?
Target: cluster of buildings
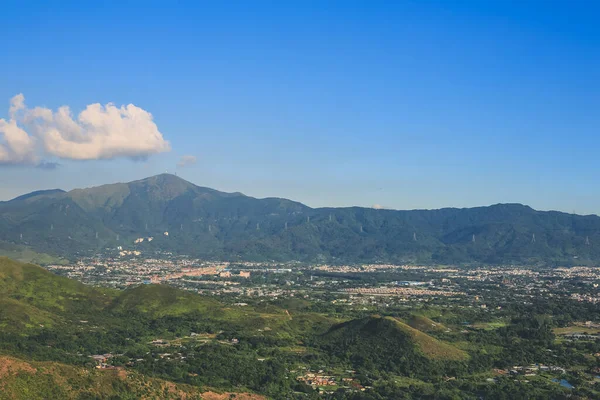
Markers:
(319, 380)
(102, 361)
(400, 291)
(121, 272)
(586, 297)
(468, 286)
(531, 370)
(315, 380)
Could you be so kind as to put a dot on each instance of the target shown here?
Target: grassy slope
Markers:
(16, 316)
(26, 254)
(425, 324)
(430, 346)
(159, 300)
(34, 286)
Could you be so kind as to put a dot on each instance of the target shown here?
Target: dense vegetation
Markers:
(20, 379)
(207, 223)
(50, 326)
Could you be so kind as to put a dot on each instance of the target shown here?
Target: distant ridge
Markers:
(38, 193)
(207, 223)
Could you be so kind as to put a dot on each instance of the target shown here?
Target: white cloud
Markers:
(186, 161)
(378, 207)
(16, 146)
(98, 132)
(17, 103)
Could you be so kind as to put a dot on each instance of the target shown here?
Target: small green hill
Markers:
(387, 344)
(430, 346)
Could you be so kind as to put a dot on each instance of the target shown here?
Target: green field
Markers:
(489, 325)
(576, 329)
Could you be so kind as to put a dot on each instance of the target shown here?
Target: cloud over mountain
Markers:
(98, 132)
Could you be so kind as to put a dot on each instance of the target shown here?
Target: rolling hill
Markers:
(388, 344)
(207, 223)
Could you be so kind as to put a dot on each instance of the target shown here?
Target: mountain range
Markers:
(184, 218)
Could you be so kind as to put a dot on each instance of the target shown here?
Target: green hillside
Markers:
(26, 380)
(18, 316)
(207, 223)
(431, 347)
(160, 300)
(34, 286)
(387, 344)
(425, 324)
(20, 252)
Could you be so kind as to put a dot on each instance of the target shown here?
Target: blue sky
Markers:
(415, 104)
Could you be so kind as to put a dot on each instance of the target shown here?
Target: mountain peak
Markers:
(164, 178)
(163, 186)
